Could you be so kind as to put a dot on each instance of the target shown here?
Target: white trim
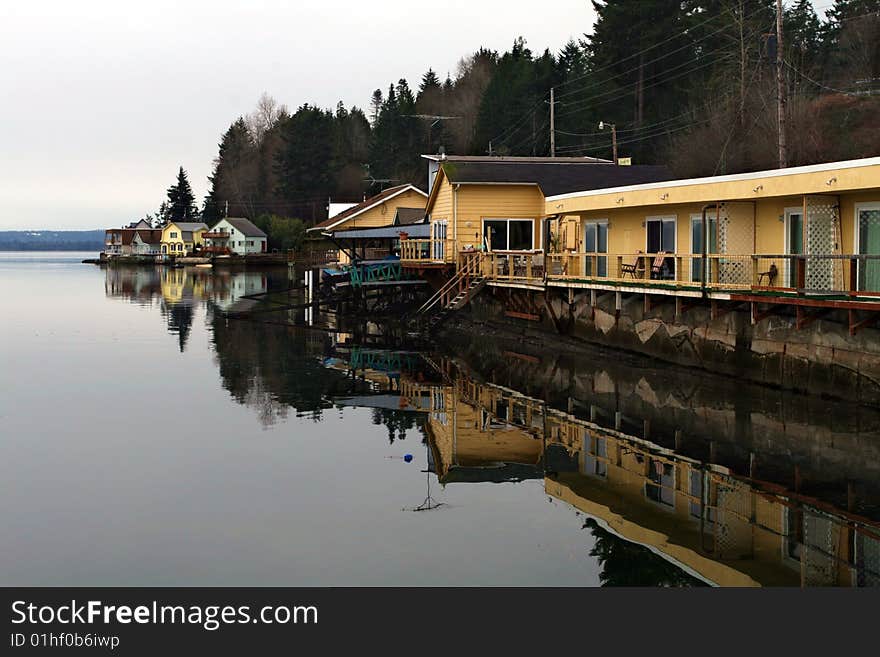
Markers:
(868, 205)
(408, 187)
(786, 241)
(773, 173)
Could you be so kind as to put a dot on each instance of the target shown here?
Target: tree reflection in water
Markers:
(629, 564)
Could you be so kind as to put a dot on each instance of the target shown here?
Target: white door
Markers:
(438, 245)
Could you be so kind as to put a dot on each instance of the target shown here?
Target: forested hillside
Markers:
(689, 83)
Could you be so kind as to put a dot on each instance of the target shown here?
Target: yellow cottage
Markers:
(497, 204)
(180, 238)
(380, 210)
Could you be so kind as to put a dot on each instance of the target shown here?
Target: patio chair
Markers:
(657, 267)
(771, 275)
(633, 268)
(538, 265)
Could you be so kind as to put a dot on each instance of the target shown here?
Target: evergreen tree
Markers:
(306, 165)
(181, 201)
(376, 102)
(430, 81)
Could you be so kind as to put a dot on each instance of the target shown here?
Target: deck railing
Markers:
(820, 273)
(427, 251)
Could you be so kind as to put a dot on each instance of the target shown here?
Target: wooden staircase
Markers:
(455, 294)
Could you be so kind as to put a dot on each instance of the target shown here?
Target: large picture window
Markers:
(509, 234)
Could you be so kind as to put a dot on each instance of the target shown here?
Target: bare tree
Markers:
(264, 117)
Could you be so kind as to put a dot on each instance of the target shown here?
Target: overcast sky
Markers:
(102, 102)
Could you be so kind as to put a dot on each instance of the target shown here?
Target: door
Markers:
(661, 238)
(596, 241)
(697, 242)
(868, 236)
(439, 229)
(794, 243)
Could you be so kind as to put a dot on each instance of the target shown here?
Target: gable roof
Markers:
(363, 206)
(189, 226)
(554, 178)
(408, 216)
(149, 236)
(244, 226)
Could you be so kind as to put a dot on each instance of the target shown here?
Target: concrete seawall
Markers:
(821, 358)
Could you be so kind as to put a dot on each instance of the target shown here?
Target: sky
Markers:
(102, 101)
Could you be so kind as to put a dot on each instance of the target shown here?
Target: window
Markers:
(250, 242)
(173, 235)
(508, 234)
(660, 486)
(868, 243)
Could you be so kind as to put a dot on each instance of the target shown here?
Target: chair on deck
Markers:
(657, 268)
(538, 265)
(633, 268)
(771, 275)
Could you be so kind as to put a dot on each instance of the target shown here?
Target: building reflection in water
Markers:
(680, 479)
(715, 523)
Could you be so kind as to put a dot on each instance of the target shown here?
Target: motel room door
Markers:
(697, 242)
(661, 238)
(868, 243)
(596, 241)
(794, 243)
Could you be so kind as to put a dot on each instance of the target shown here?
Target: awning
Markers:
(384, 232)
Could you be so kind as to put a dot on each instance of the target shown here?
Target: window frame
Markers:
(508, 220)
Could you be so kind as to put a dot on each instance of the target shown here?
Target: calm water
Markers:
(149, 439)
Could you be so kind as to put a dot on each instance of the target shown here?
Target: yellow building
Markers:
(537, 223)
(813, 227)
(497, 204)
(180, 238)
(384, 209)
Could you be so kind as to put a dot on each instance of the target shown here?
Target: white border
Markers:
(754, 175)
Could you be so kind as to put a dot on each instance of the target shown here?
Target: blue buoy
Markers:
(407, 457)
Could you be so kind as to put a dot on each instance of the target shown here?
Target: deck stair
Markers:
(456, 293)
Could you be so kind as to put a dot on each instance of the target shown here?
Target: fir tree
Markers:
(181, 201)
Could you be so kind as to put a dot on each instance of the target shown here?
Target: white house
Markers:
(146, 242)
(234, 235)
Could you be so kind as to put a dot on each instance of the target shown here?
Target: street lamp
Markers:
(602, 126)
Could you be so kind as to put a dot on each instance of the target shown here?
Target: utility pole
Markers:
(780, 89)
(552, 122)
(602, 126)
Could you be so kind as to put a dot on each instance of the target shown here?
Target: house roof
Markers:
(245, 226)
(553, 177)
(149, 236)
(190, 226)
(514, 158)
(407, 216)
(363, 206)
(385, 232)
(669, 183)
(128, 235)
